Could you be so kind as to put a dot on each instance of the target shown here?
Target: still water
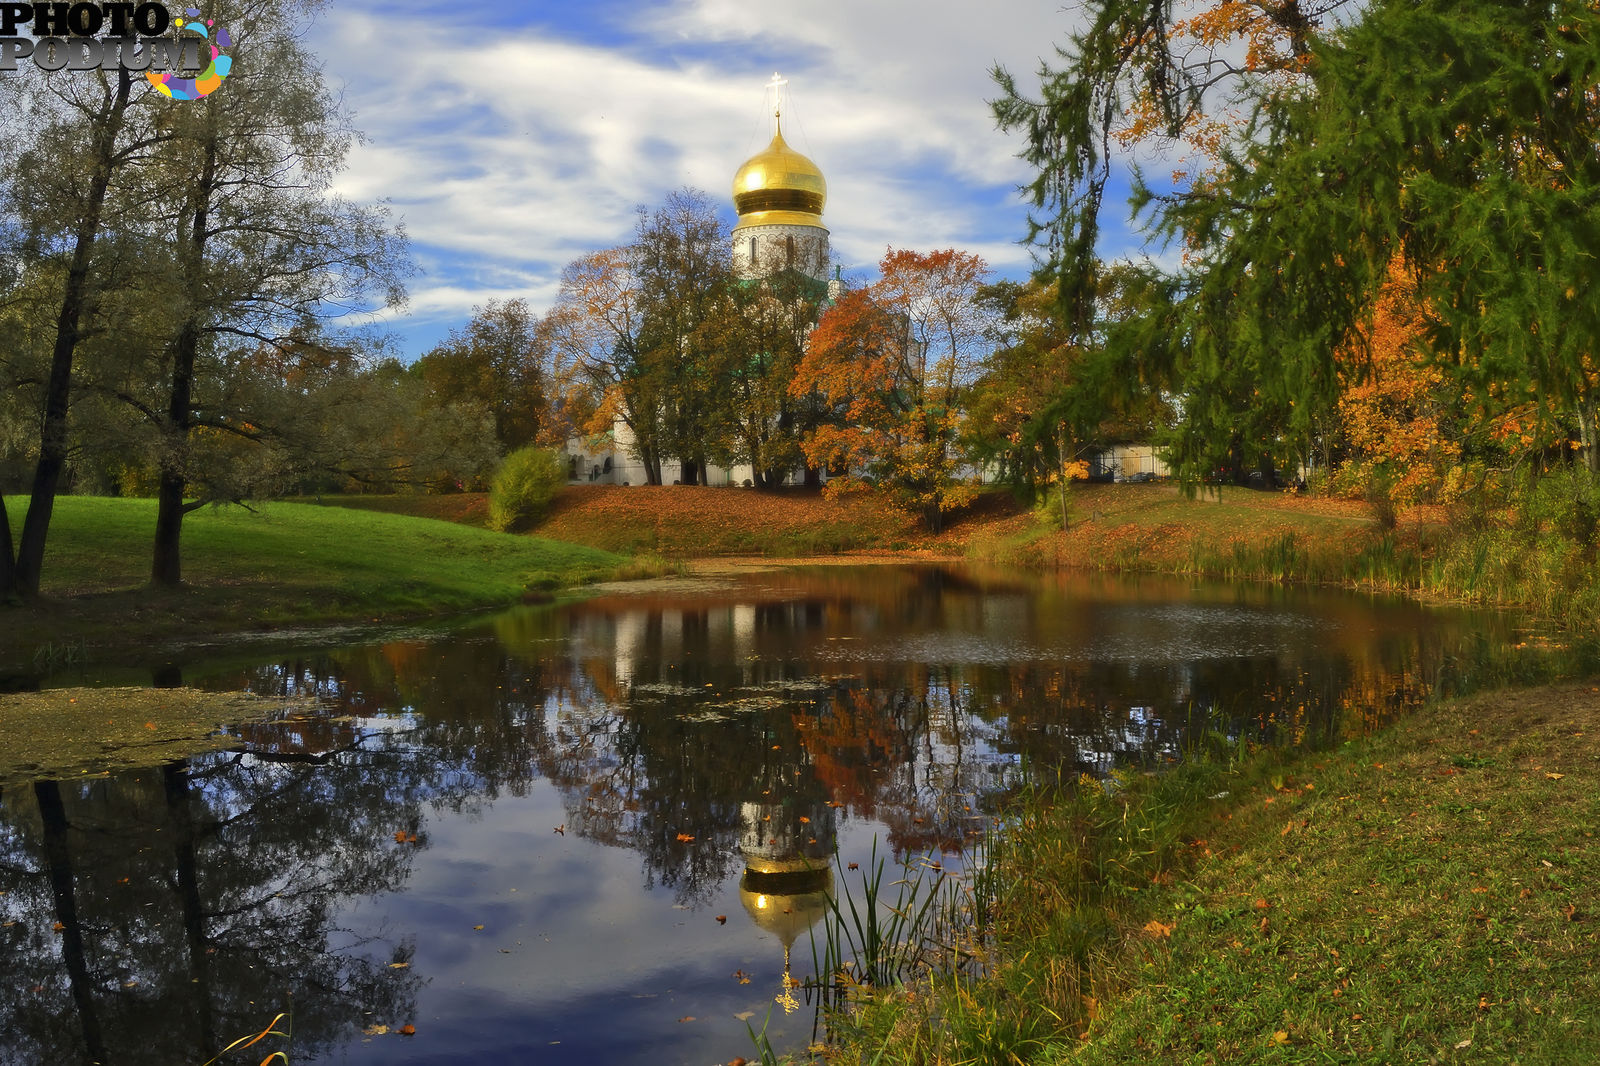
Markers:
(576, 834)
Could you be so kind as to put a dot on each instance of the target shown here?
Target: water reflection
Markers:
(516, 835)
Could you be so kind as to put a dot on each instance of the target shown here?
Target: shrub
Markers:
(523, 487)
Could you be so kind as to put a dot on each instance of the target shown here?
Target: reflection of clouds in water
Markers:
(1144, 634)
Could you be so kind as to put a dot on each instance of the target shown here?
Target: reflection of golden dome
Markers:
(786, 898)
(778, 185)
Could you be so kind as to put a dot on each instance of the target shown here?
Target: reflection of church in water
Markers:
(779, 195)
(788, 873)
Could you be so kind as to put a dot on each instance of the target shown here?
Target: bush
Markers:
(523, 487)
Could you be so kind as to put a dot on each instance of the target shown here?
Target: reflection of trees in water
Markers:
(160, 914)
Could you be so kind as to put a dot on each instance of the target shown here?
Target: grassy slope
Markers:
(286, 564)
(1135, 526)
(688, 521)
(1424, 895)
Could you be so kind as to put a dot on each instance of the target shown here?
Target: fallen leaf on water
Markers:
(398, 965)
(745, 1015)
(562, 829)
(408, 1030)
(855, 866)
(743, 977)
(58, 927)
(740, 1061)
(685, 838)
(375, 1030)
(686, 1018)
(477, 927)
(804, 820)
(722, 919)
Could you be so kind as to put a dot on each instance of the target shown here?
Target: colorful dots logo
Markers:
(205, 83)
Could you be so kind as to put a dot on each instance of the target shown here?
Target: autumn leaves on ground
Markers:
(1149, 526)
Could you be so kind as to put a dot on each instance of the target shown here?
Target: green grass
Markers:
(282, 565)
(1422, 895)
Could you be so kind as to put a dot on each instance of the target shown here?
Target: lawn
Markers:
(276, 565)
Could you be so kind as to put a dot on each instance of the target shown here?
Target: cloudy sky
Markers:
(512, 138)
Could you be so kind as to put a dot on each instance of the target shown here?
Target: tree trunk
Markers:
(1590, 448)
(1061, 474)
(166, 568)
(24, 576)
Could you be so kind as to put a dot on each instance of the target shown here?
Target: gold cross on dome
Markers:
(776, 85)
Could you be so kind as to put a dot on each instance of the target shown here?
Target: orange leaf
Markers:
(685, 838)
(1157, 929)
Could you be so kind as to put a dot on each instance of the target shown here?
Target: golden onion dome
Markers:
(778, 184)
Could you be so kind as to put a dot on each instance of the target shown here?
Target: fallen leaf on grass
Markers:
(1555, 777)
(1155, 928)
(1464, 1044)
(1280, 1038)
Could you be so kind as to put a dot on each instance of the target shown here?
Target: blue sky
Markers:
(513, 139)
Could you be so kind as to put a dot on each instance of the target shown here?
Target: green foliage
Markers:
(498, 366)
(523, 487)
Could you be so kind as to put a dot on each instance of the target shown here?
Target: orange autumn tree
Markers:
(891, 363)
(1397, 412)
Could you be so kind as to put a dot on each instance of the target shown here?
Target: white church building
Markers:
(779, 195)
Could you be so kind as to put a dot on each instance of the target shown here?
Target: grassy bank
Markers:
(280, 565)
(1422, 895)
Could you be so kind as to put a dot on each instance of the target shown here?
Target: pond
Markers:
(592, 832)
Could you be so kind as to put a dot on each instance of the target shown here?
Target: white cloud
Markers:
(509, 153)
